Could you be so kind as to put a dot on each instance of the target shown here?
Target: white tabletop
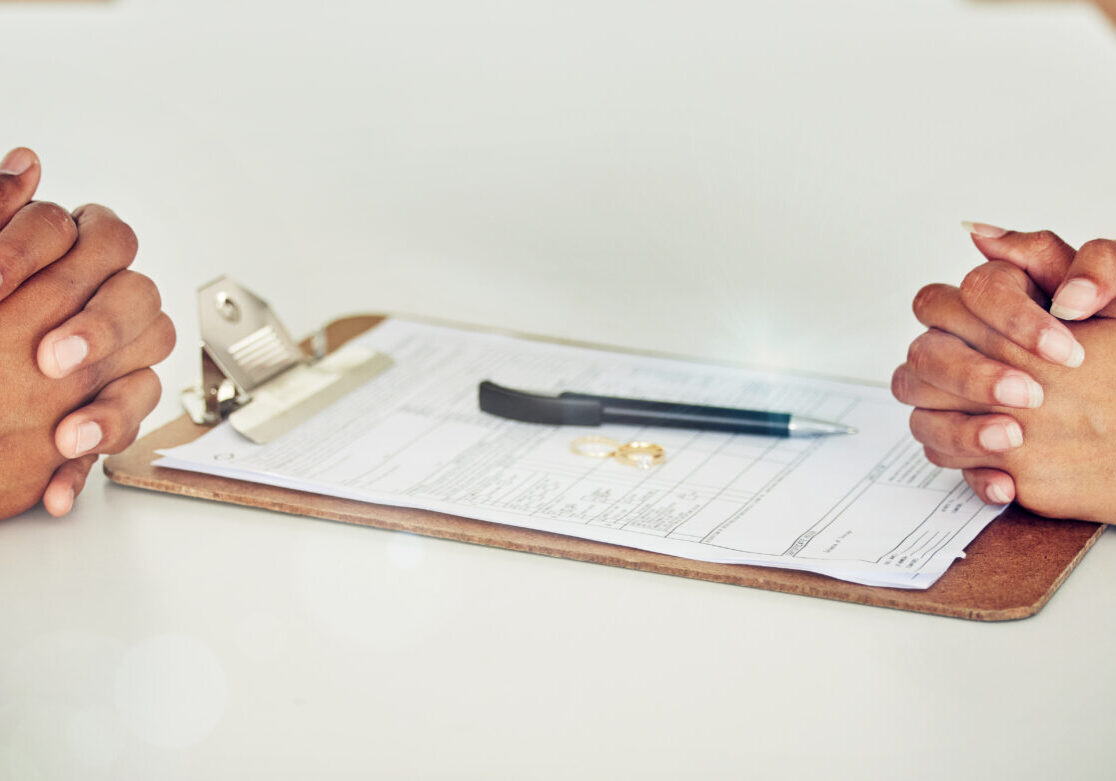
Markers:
(766, 182)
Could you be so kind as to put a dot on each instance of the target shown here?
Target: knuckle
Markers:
(925, 299)
(901, 384)
(931, 301)
(103, 226)
(146, 292)
(154, 383)
(86, 211)
(123, 239)
(961, 438)
(56, 219)
(1045, 240)
(1047, 248)
(165, 334)
(978, 285)
(1018, 323)
(920, 352)
(977, 385)
(914, 423)
(106, 331)
(1099, 252)
(13, 261)
(144, 389)
(1096, 246)
(934, 457)
(50, 232)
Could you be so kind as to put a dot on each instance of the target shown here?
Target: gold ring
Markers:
(642, 455)
(595, 447)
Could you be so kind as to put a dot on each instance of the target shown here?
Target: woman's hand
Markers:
(1057, 451)
(1071, 284)
(1026, 274)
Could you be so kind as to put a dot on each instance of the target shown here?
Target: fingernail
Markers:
(997, 494)
(1000, 437)
(17, 162)
(1016, 391)
(1058, 346)
(67, 503)
(70, 352)
(983, 229)
(87, 437)
(1077, 298)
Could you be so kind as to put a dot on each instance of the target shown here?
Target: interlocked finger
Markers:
(124, 306)
(909, 388)
(110, 422)
(949, 364)
(19, 177)
(991, 485)
(36, 236)
(104, 246)
(1009, 301)
(959, 434)
(66, 484)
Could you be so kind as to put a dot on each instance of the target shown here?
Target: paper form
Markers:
(866, 507)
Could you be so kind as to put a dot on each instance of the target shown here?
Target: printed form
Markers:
(866, 507)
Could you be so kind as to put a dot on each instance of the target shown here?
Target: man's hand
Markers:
(1061, 455)
(78, 332)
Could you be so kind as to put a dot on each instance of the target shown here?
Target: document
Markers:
(866, 507)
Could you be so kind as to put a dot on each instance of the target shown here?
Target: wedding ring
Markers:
(642, 455)
(595, 447)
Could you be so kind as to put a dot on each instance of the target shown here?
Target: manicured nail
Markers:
(1017, 391)
(1058, 346)
(983, 229)
(87, 437)
(1000, 437)
(70, 352)
(997, 494)
(1077, 298)
(17, 162)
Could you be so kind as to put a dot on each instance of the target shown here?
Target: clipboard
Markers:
(1010, 571)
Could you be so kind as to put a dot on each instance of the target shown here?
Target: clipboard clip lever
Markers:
(255, 375)
(243, 345)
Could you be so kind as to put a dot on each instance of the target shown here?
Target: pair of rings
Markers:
(642, 455)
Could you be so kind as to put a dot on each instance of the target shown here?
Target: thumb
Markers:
(1042, 254)
(1090, 283)
(19, 176)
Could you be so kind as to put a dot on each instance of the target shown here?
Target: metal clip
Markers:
(255, 375)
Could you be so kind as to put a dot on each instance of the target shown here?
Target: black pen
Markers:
(582, 409)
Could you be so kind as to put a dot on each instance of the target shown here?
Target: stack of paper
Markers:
(867, 507)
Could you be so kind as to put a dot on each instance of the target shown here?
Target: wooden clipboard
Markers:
(1010, 571)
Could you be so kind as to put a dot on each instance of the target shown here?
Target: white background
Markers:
(766, 181)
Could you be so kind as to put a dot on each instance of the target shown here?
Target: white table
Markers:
(767, 182)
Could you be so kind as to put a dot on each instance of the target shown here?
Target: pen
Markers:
(582, 409)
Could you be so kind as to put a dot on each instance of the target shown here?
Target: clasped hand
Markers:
(1006, 389)
(78, 333)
